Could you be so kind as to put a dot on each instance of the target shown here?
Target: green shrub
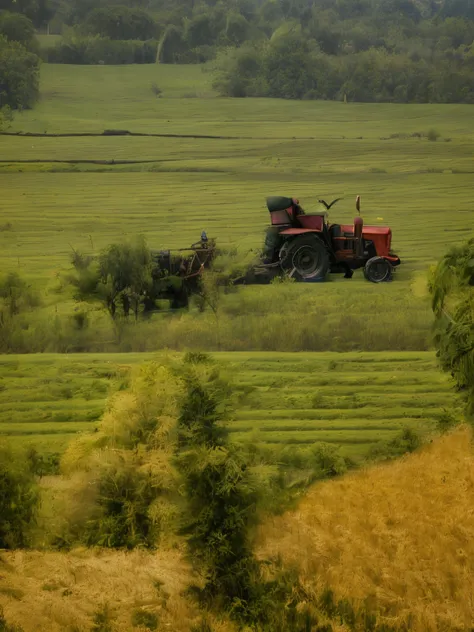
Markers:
(43, 464)
(405, 442)
(125, 496)
(103, 620)
(18, 499)
(433, 135)
(143, 618)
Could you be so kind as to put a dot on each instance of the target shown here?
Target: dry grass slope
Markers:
(401, 533)
(56, 592)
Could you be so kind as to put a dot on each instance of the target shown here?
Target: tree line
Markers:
(369, 50)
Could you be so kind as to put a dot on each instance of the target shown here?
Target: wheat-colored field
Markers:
(400, 535)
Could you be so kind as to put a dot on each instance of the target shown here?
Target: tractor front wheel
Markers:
(305, 258)
(378, 270)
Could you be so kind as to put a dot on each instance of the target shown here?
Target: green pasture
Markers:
(422, 189)
(352, 400)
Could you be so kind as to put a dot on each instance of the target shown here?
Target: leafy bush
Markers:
(103, 620)
(405, 442)
(124, 498)
(143, 618)
(18, 499)
(433, 135)
(43, 464)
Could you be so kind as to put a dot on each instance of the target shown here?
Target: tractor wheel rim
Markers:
(379, 270)
(306, 260)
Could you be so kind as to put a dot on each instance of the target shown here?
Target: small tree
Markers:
(19, 75)
(120, 278)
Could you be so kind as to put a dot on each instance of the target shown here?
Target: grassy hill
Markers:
(351, 400)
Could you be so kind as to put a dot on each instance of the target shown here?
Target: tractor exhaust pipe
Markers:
(358, 226)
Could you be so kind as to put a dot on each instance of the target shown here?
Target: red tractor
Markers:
(307, 246)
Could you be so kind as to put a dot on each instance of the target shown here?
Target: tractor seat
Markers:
(335, 231)
(278, 203)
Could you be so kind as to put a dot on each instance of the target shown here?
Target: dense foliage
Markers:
(16, 27)
(18, 499)
(389, 50)
(125, 279)
(452, 289)
(38, 11)
(218, 487)
(19, 75)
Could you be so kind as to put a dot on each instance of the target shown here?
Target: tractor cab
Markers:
(287, 213)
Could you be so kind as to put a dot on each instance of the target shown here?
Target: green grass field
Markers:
(352, 400)
(422, 189)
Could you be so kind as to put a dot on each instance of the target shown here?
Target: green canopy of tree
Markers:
(452, 290)
(16, 27)
(19, 75)
(120, 23)
(39, 11)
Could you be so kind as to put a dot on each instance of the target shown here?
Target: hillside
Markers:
(350, 400)
(399, 535)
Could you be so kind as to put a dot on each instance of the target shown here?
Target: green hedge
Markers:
(95, 49)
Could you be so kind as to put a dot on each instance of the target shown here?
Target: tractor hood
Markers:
(381, 236)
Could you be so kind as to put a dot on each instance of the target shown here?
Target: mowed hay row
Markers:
(401, 534)
(351, 400)
(54, 592)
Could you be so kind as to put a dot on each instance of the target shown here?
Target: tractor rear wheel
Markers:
(305, 258)
(378, 270)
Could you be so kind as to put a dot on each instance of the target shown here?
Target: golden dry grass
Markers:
(61, 591)
(402, 533)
